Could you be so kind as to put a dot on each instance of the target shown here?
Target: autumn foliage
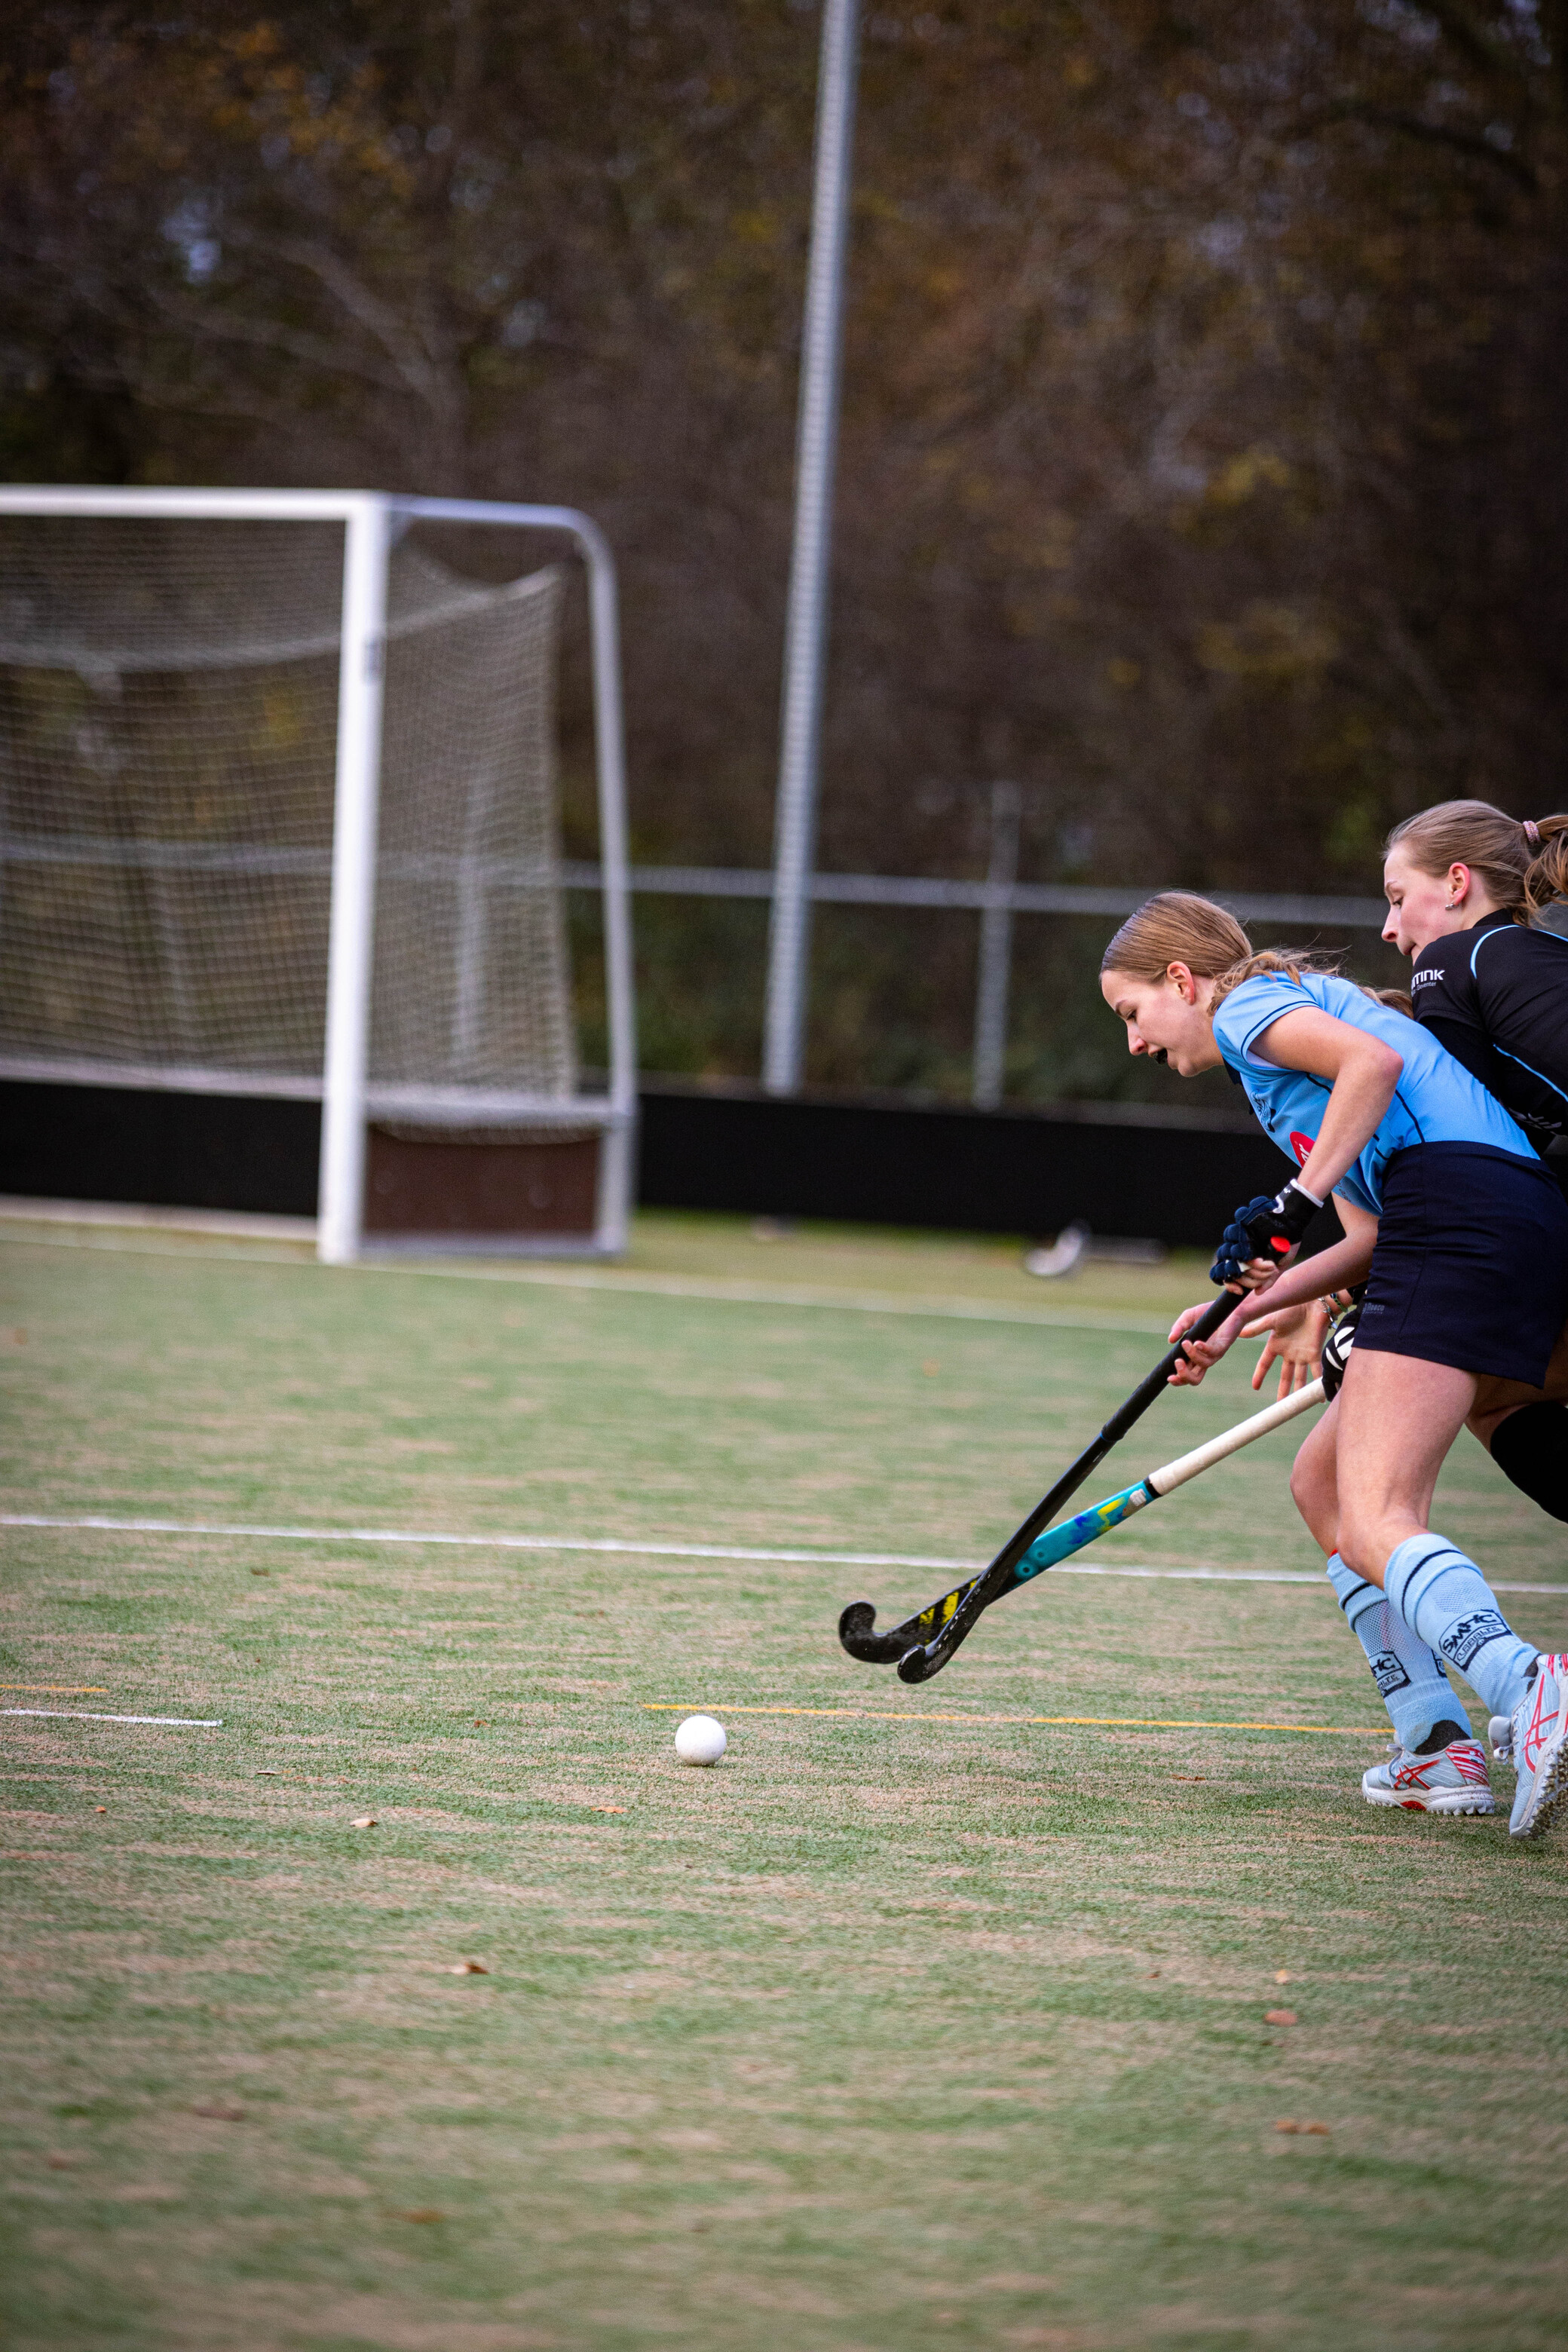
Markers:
(1202, 461)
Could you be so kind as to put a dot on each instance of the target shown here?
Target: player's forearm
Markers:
(1332, 1269)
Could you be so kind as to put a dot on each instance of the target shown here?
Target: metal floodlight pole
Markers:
(996, 949)
(806, 632)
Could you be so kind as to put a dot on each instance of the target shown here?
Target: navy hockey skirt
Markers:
(1471, 1261)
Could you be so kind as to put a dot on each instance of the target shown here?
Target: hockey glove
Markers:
(1263, 1228)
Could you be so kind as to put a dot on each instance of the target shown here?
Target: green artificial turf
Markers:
(926, 2025)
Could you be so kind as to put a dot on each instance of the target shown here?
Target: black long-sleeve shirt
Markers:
(1497, 997)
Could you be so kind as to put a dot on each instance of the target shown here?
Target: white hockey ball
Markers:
(700, 1741)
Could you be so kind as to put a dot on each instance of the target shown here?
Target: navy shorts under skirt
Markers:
(1471, 1261)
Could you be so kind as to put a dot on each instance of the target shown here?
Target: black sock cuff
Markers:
(1442, 1734)
(1530, 1448)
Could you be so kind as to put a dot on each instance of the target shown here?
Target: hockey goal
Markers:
(279, 815)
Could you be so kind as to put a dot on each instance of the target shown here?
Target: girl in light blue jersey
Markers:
(1462, 1240)
(1436, 1099)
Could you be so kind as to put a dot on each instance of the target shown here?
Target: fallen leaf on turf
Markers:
(100, 1808)
(363, 1821)
(261, 1572)
(422, 2214)
(1281, 1975)
(268, 1773)
(1280, 2017)
(468, 1968)
(59, 2163)
(219, 2111)
(606, 1809)
(481, 1721)
(1313, 2131)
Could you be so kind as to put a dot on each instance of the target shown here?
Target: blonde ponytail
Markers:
(1546, 878)
(1273, 959)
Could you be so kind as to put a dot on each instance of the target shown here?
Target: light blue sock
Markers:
(1443, 1597)
(1409, 1676)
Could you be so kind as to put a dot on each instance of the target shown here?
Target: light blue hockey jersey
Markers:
(1435, 1101)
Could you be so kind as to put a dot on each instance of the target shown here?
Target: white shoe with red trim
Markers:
(1453, 1780)
(1537, 1746)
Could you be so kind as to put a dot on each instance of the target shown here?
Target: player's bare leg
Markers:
(1434, 1765)
(1314, 1480)
(1399, 1416)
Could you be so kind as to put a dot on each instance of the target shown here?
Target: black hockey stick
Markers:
(921, 1645)
(1068, 1536)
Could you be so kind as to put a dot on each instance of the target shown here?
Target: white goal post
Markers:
(473, 1096)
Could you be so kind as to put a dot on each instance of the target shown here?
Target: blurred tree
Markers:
(1201, 465)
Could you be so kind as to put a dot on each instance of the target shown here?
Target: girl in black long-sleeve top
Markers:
(1465, 885)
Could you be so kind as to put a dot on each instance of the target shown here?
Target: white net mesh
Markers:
(168, 713)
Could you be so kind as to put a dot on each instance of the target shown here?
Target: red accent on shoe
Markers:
(1536, 1729)
(1467, 1758)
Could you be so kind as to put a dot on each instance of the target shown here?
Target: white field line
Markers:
(135, 1216)
(79, 1714)
(628, 1547)
(647, 1286)
(852, 1302)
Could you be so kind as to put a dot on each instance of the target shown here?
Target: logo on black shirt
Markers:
(1419, 979)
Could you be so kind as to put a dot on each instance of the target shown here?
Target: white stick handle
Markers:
(1231, 1441)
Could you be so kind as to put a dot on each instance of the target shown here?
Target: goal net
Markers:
(168, 719)
(168, 782)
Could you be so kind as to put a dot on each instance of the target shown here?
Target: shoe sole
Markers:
(1454, 1801)
(1546, 1796)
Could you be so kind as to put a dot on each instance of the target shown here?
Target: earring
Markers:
(1449, 905)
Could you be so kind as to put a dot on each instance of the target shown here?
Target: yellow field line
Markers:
(1118, 1722)
(63, 1690)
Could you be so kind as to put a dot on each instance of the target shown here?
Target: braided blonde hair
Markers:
(1178, 926)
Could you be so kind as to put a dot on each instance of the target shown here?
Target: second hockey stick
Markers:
(1059, 1543)
(951, 1619)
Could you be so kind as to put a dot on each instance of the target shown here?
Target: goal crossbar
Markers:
(372, 520)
